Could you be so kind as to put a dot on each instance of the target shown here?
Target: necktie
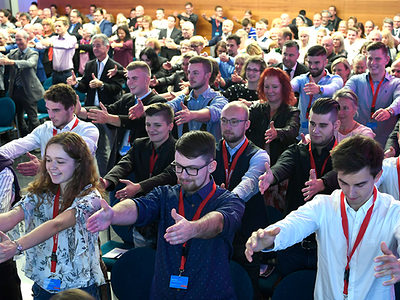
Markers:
(288, 71)
(18, 78)
(100, 66)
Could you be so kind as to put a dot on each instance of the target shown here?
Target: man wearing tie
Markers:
(24, 88)
(289, 64)
(98, 19)
(99, 87)
(396, 26)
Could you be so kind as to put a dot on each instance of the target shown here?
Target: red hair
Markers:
(287, 91)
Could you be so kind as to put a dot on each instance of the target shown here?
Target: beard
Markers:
(316, 73)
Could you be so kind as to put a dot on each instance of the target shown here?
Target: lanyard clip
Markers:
(54, 257)
(346, 274)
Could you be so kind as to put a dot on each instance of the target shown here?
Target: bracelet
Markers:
(19, 247)
(391, 111)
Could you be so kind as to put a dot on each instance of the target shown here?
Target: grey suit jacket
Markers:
(27, 65)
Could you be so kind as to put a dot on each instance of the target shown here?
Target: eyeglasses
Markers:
(194, 45)
(252, 70)
(232, 122)
(192, 171)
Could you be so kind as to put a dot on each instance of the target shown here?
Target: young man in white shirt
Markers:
(346, 269)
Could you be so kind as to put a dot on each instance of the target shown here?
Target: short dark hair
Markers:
(215, 70)
(162, 109)
(324, 106)
(256, 60)
(291, 44)
(93, 5)
(377, 46)
(68, 5)
(26, 15)
(207, 66)
(246, 22)
(316, 50)
(196, 143)
(218, 6)
(189, 3)
(234, 37)
(172, 16)
(162, 9)
(357, 152)
(61, 93)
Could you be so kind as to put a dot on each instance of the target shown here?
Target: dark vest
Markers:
(255, 215)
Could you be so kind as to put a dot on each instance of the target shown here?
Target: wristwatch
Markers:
(391, 111)
(321, 90)
(19, 247)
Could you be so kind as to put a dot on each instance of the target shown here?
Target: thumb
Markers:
(267, 168)
(222, 185)
(385, 250)
(104, 204)
(125, 181)
(303, 138)
(177, 217)
(3, 236)
(154, 77)
(139, 102)
(313, 175)
(103, 108)
(183, 106)
(94, 77)
(115, 67)
(31, 156)
(311, 78)
(275, 231)
(272, 125)
(73, 75)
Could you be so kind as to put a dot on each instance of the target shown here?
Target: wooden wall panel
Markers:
(375, 10)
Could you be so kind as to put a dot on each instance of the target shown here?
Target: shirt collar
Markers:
(144, 96)
(205, 190)
(104, 61)
(364, 208)
(327, 147)
(68, 126)
(387, 75)
(233, 150)
(204, 94)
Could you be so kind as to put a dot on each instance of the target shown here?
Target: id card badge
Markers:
(52, 284)
(372, 125)
(124, 150)
(179, 282)
(304, 125)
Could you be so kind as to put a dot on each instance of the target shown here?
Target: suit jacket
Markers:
(27, 66)
(300, 69)
(75, 31)
(176, 35)
(105, 27)
(112, 86)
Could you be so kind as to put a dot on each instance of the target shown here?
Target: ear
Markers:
(378, 176)
(212, 166)
(247, 124)
(170, 126)
(336, 125)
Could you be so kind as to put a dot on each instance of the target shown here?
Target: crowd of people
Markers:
(197, 140)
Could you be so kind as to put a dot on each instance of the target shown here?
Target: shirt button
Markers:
(192, 205)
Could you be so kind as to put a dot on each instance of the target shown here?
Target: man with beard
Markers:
(226, 62)
(315, 84)
(289, 64)
(197, 222)
(309, 170)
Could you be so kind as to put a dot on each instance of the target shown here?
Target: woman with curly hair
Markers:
(60, 252)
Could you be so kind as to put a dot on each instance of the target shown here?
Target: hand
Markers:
(136, 111)
(104, 183)
(222, 186)
(6, 61)
(183, 84)
(71, 80)
(305, 139)
(153, 81)
(235, 77)
(246, 102)
(266, 179)
(101, 219)
(390, 152)
(183, 116)
(260, 240)
(95, 83)
(78, 106)
(129, 191)
(167, 66)
(112, 72)
(381, 115)
(390, 266)
(182, 231)
(99, 116)
(271, 133)
(224, 57)
(311, 88)
(7, 248)
(313, 186)
(31, 167)
(169, 96)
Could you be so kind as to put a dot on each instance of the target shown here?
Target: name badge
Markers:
(372, 125)
(124, 150)
(52, 284)
(179, 282)
(304, 125)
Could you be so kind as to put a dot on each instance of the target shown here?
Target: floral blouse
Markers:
(78, 254)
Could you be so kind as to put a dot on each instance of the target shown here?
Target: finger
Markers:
(272, 125)
(183, 106)
(177, 217)
(94, 77)
(3, 236)
(303, 138)
(73, 75)
(125, 181)
(311, 78)
(385, 250)
(103, 108)
(31, 156)
(313, 175)
(222, 185)
(249, 254)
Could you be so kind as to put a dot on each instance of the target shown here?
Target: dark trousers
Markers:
(298, 257)
(41, 294)
(61, 77)
(107, 138)
(10, 284)
(22, 105)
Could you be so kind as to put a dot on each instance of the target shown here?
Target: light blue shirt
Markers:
(388, 97)
(226, 68)
(215, 108)
(330, 84)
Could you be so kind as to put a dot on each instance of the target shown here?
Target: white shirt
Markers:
(388, 182)
(39, 137)
(322, 216)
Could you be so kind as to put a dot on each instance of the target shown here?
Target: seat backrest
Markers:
(132, 274)
(298, 285)
(7, 111)
(241, 282)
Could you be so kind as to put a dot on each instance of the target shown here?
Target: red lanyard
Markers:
(153, 159)
(73, 126)
(312, 161)
(195, 218)
(398, 173)
(229, 170)
(375, 94)
(55, 237)
(360, 235)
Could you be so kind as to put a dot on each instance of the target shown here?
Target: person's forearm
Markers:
(208, 226)
(114, 120)
(125, 213)
(9, 219)
(202, 115)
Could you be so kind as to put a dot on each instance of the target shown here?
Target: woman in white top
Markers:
(60, 252)
(348, 102)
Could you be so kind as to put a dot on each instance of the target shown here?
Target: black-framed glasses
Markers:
(232, 122)
(192, 171)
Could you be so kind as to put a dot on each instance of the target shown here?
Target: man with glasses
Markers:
(197, 222)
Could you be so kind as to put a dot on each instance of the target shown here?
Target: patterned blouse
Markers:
(78, 255)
